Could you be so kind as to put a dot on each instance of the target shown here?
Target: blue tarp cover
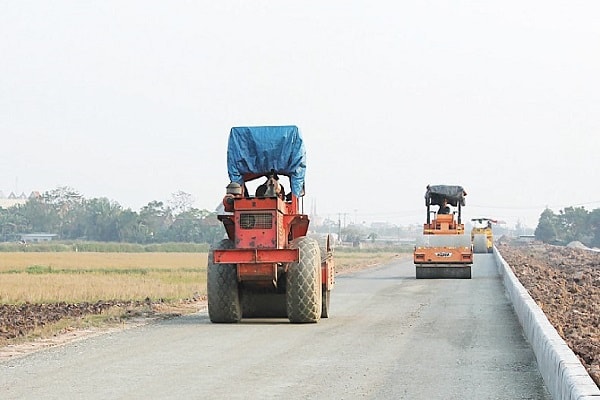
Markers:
(256, 150)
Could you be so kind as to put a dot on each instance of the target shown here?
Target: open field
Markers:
(90, 277)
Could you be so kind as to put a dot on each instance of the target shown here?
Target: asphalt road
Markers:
(389, 336)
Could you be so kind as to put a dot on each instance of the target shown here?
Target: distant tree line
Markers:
(65, 212)
(570, 224)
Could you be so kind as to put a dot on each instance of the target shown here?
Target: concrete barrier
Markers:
(563, 373)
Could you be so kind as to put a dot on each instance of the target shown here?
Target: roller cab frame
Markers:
(443, 250)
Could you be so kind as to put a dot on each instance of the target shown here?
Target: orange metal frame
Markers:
(443, 255)
(261, 230)
(443, 224)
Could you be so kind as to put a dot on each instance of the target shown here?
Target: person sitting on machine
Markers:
(444, 207)
(271, 188)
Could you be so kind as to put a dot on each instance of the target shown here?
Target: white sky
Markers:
(133, 100)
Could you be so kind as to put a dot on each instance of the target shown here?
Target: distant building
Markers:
(13, 200)
(37, 237)
(526, 238)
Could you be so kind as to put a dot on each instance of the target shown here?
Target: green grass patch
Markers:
(38, 269)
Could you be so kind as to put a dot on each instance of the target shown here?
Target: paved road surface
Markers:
(389, 337)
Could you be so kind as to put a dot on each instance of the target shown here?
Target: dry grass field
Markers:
(77, 276)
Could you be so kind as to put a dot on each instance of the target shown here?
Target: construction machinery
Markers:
(268, 266)
(482, 236)
(444, 250)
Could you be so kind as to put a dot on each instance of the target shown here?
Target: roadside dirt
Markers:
(565, 283)
(28, 327)
(19, 320)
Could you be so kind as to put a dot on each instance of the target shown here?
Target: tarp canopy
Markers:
(436, 194)
(254, 151)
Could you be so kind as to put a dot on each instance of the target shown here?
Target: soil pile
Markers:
(565, 283)
(19, 320)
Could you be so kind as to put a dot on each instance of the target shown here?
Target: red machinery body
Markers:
(267, 266)
(261, 229)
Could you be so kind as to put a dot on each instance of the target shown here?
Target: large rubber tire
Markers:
(303, 283)
(222, 288)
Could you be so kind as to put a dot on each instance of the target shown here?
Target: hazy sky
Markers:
(134, 100)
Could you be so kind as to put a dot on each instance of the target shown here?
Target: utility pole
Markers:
(339, 227)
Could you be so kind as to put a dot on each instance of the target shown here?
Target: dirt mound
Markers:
(577, 245)
(565, 283)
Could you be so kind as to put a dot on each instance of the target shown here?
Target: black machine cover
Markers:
(436, 194)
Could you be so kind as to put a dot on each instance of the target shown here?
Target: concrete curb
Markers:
(563, 373)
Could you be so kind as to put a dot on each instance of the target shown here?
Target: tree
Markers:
(11, 225)
(186, 227)
(546, 228)
(212, 229)
(67, 203)
(352, 233)
(571, 224)
(372, 236)
(39, 216)
(594, 221)
(574, 225)
(130, 227)
(155, 219)
(102, 220)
